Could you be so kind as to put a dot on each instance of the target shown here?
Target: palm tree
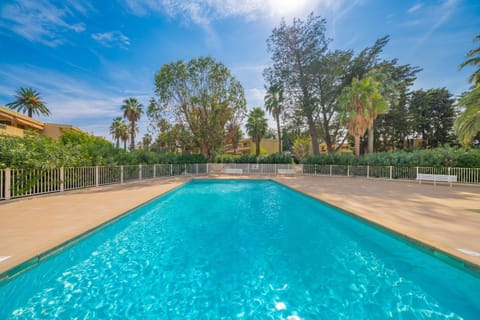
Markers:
(467, 125)
(387, 88)
(256, 127)
(274, 105)
(29, 101)
(132, 110)
(146, 141)
(116, 130)
(473, 59)
(124, 134)
(359, 102)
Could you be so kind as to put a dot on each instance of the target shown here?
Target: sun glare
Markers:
(287, 8)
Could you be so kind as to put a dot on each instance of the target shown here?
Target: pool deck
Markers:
(439, 216)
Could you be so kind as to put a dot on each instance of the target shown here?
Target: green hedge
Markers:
(249, 158)
(77, 150)
(439, 157)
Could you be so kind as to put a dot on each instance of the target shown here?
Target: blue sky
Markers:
(86, 56)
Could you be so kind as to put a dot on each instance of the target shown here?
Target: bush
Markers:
(439, 157)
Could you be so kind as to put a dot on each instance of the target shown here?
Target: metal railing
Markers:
(15, 183)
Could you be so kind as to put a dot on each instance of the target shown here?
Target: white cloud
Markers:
(41, 21)
(203, 12)
(435, 17)
(112, 39)
(415, 8)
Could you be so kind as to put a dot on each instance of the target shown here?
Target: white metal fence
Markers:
(16, 183)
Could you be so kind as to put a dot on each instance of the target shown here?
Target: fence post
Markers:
(348, 170)
(185, 169)
(275, 167)
(330, 170)
(171, 169)
(208, 172)
(368, 171)
(97, 178)
(391, 170)
(121, 174)
(62, 178)
(419, 181)
(8, 175)
(139, 172)
(154, 171)
(196, 169)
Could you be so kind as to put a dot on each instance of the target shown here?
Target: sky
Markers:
(85, 57)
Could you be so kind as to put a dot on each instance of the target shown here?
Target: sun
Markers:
(287, 8)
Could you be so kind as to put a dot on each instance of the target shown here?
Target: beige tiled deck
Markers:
(438, 216)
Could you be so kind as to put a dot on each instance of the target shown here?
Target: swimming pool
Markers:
(240, 249)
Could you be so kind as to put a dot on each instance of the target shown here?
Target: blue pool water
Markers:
(240, 250)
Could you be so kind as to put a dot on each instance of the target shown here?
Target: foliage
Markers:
(132, 110)
(248, 158)
(473, 59)
(256, 127)
(301, 148)
(467, 125)
(361, 103)
(75, 149)
(117, 129)
(201, 94)
(29, 101)
(433, 113)
(295, 48)
(439, 157)
(274, 100)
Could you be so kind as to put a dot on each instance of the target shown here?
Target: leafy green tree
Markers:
(301, 148)
(256, 127)
(274, 105)
(203, 95)
(116, 130)
(29, 101)
(295, 48)
(132, 110)
(395, 126)
(433, 114)
(234, 135)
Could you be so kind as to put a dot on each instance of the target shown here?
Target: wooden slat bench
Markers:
(286, 171)
(436, 178)
(233, 171)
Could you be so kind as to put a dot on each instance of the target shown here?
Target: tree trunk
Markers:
(257, 151)
(370, 139)
(279, 135)
(313, 135)
(132, 136)
(118, 142)
(125, 144)
(30, 112)
(357, 145)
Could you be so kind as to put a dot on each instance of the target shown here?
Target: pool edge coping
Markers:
(26, 265)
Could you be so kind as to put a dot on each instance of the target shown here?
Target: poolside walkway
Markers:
(439, 216)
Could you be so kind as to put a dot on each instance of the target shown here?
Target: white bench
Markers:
(233, 171)
(436, 178)
(286, 171)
